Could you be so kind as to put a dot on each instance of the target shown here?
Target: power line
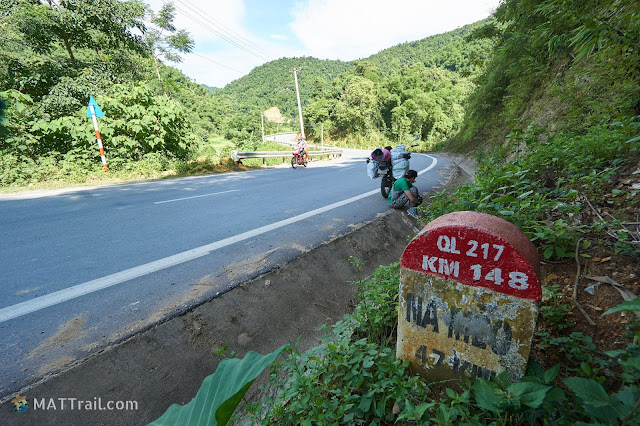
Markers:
(223, 36)
(227, 30)
(238, 45)
(217, 63)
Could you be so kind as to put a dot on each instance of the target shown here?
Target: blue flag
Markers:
(96, 108)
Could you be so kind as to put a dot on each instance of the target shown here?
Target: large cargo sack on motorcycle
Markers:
(372, 169)
(377, 154)
(398, 152)
(399, 162)
(400, 167)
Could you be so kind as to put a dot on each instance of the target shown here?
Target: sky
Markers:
(234, 36)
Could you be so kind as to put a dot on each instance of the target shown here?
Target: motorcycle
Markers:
(387, 181)
(298, 159)
(388, 177)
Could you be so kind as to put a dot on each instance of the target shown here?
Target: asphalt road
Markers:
(82, 269)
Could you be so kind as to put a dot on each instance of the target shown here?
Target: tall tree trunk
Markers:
(67, 46)
(99, 55)
(155, 61)
(64, 38)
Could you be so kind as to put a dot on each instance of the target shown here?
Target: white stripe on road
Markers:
(195, 196)
(60, 296)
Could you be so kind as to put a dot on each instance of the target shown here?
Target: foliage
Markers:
(568, 61)
(221, 392)
(353, 377)
(78, 24)
(424, 102)
(543, 190)
(629, 305)
(56, 65)
(272, 84)
(453, 51)
(164, 39)
(45, 135)
(139, 123)
(555, 313)
(601, 407)
(411, 89)
(419, 101)
(376, 314)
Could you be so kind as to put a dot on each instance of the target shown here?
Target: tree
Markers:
(77, 24)
(357, 106)
(367, 70)
(166, 40)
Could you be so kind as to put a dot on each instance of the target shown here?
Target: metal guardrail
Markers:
(238, 156)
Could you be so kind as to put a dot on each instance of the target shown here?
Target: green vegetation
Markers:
(272, 84)
(354, 378)
(220, 393)
(561, 64)
(452, 51)
(545, 93)
(567, 109)
(413, 89)
(546, 190)
(158, 123)
(415, 101)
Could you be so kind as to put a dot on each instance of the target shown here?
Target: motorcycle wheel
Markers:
(385, 186)
(304, 162)
(294, 162)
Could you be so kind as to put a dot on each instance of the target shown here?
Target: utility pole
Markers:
(262, 123)
(295, 76)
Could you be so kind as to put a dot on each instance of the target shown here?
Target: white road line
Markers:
(195, 196)
(38, 303)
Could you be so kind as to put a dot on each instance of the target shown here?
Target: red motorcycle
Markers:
(299, 158)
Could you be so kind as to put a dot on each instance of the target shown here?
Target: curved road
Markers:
(81, 269)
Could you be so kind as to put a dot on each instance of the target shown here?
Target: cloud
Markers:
(278, 37)
(348, 30)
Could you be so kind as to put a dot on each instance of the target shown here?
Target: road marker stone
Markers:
(469, 293)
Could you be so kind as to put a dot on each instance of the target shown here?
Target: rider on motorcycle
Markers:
(301, 147)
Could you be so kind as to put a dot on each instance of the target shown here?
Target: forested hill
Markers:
(450, 50)
(272, 84)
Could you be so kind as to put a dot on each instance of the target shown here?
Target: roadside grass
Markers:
(352, 377)
(140, 172)
(71, 170)
(214, 156)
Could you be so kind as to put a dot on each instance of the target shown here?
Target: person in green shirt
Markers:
(404, 194)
